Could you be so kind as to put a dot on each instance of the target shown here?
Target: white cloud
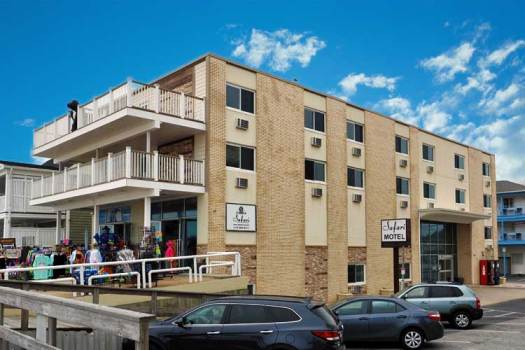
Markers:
(350, 83)
(279, 49)
(497, 57)
(27, 122)
(433, 117)
(502, 101)
(450, 63)
(399, 108)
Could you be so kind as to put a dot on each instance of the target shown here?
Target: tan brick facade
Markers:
(248, 259)
(415, 155)
(337, 236)
(280, 187)
(216, 153)
(316, 272)
(380, 192)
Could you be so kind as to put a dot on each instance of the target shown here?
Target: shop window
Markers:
(402, 185)
(401, 145)
(485, 169)
(406, 266)
(156, 211)
(314, 170)
(172, 210)
(354, 131)
(240, 157)
(460, 196)
(240, 98)
(429, 190)
(428, 152)
(355, 177)
(356, 273)
(313, 120)
(190, 207)
(459, 161)
(487, 201)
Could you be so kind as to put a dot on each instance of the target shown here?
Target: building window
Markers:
(428, 152)
(240, 98)
(240, 157)
(356, 273)
(459, 161)
(487, 201)
(355, 177)
(508, 203)
(406, 266)
(460, 196)
(488, 232)
(313, 120)
(354, 131)
(401, 145)
(485, 168)
(429, 190)
(402, 185)
(314, 170)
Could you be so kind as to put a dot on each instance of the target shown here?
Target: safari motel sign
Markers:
(395, 233)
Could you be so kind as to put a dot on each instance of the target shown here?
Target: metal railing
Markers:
(131, 94)
(512, 211)
(210, 260)
(125, 164)
(512, 236)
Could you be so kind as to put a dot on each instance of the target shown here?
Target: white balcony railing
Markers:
(512, 211)
(37, 236)
(126, 164)
(512, 236)
(131, 94)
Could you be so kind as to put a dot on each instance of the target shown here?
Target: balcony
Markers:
(512, 238)
(121, 176)
(512, 214)
(126, 111)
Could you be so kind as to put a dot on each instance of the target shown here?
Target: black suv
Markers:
(250, 322)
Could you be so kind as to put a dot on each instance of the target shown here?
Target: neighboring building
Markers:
(227, 158)
(28, 224)
(511, 224)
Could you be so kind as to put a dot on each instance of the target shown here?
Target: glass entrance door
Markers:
(446, 268)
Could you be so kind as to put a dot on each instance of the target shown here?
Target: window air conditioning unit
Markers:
(317, 192)
(356, 152)
(316, 142)
(461, 177)
(357, 198)
(403, 163)
(487, 183)
(242, 182)
(430, 205)
(430, 169)
(404, 204)
(242, 124)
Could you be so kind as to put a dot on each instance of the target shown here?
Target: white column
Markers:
(128, 162)
(148, 141)
(156, 165)
(181, 168)
(182, 105)
(129, 92)
(147, 212)
(92, 171)
(157, 98)
(68, 224)
(94, 223)
(7, 225)
(58, 226)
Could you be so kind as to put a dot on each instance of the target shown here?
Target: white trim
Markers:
(355, 188)
(403, 195)
(240, 98)
(240, 146)
(240, 111)
(315, 131)
(318, 182)
(403, 154)
(355, 142)
(231, 168)
(364, 275)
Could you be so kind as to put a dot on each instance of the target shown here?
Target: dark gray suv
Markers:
(250, 322)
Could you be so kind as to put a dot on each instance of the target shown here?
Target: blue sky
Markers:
(456, 68)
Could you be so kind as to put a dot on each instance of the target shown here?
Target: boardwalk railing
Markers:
(48, 309)
(128, 164)
(131, 94)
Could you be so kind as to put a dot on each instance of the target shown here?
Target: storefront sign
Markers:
(241, 217)
(395, 233)
(7, 243)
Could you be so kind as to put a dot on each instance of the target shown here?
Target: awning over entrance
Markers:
(449, 215)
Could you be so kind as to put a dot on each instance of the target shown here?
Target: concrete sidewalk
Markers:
(498, 294)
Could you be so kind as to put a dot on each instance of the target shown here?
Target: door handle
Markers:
(363, 318)
(213, 333)
(269, 331)
(402, 316)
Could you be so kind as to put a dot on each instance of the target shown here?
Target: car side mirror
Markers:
(336, 312)
(182, 322)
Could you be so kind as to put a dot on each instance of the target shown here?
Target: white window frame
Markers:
(483, 169)
(353, 140)
(491, 233)
(408, 145)
(489, 196)
(240, 99)
(240, 160)
(433, 152)
(364, 275)
(435, 191)
(316, 181)
(324, 121)
(355, 187)
(464, 196)
(461, 157)
(408, 182)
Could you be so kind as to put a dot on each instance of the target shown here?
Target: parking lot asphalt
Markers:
(502, 327)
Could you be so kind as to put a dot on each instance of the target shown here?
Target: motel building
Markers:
(222, 157)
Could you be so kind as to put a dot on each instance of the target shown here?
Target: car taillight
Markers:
(478, 303)
(327, 335)
(434, 316)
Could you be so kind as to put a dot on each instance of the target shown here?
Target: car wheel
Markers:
(461, 320)
(412, 338)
